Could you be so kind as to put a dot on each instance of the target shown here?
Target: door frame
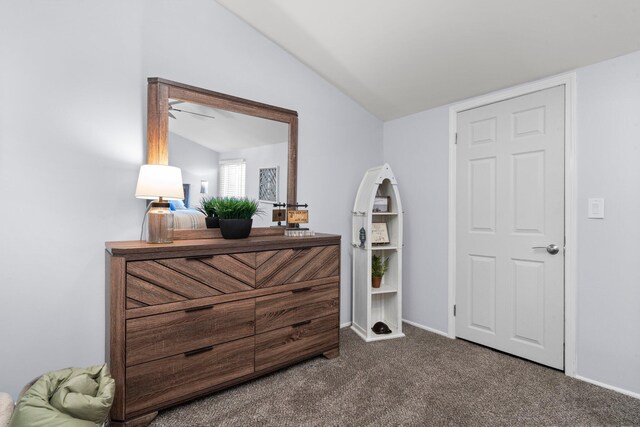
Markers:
(570, 201)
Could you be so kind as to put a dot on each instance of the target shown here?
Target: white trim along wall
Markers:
(570, 271)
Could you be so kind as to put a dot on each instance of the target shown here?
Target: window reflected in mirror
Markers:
(232, 176)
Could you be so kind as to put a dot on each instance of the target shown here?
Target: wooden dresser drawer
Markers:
(287, 308)
(154, 337)
(286, 344)
(275, 268)
(152, 384)
(169, 280)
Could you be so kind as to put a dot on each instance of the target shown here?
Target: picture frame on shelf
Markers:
(379, 233)
(382, 204)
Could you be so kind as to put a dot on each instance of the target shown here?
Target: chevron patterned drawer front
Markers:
(296, 265)
(177, 279)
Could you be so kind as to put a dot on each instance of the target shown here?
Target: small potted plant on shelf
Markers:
(236, 216)
(208, 207)
(379, 266)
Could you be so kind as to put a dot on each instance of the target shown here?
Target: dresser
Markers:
(195, 316)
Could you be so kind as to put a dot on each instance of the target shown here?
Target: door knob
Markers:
(552, 249)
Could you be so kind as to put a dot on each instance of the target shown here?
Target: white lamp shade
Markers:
(157, 181)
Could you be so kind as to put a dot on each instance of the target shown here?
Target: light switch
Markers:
(596, 208)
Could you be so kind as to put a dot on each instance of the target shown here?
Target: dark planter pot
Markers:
(235, 228)
(212, 222)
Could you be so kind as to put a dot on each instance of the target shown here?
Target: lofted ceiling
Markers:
(224, 131)
(398, 57)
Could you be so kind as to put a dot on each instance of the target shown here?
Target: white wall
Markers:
(264, 156)
(197, 163)
(72, 137)
(608, 344)
(608, 145)
(416, 149)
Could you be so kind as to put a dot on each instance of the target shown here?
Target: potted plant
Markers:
(208, 207)
(378, 268)
(236, 216)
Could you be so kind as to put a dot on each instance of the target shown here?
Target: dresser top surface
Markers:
(250, 243)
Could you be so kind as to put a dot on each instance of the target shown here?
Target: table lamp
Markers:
(159, 183)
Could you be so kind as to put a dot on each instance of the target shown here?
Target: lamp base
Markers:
(160, 221)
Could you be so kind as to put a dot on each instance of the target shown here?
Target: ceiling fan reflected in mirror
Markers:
(172, 108)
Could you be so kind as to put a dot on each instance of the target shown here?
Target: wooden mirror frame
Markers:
(160, 90)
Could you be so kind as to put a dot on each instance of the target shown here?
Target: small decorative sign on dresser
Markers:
(295, 217)
(278, 214)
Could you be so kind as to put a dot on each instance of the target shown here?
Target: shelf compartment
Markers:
(384, 289)
(384, 247)
(390, 279)
(384, 308)
(376, 247)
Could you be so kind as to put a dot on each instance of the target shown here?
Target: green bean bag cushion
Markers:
(72, 397)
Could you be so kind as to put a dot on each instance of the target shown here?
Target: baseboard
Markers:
(426, 328)
(345, 325)
(607, 386)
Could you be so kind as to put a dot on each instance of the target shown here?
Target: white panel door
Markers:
(510, 200)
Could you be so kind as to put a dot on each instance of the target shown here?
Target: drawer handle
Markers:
(197, 257)
(204, 307)
(295, 291)
(296, 325)
(197, 351)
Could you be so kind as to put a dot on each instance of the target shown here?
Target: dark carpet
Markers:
(421, 380)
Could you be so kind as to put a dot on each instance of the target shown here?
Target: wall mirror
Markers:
(225, 146)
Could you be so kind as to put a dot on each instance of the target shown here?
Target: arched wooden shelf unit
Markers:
(383, 304)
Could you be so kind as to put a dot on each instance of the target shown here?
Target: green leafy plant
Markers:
(235, 208)
(379, 266)
(208, 206)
